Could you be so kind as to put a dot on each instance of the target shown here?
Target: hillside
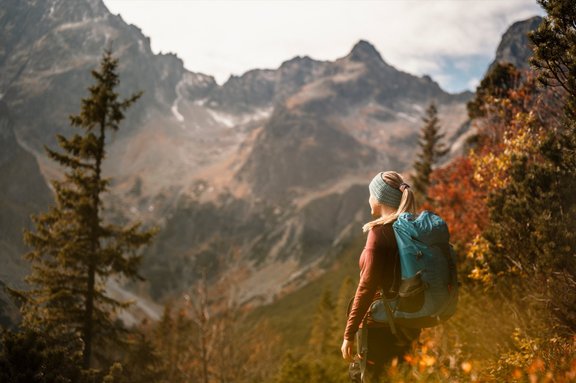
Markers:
(260, 180)
(292, 315)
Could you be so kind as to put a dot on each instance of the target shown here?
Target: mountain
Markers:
(514, 48)
(9, 314)
(24, 192)
(256, 184)
(293, 191)
(337, 124)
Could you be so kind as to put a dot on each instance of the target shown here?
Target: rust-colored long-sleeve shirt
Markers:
(379, 270)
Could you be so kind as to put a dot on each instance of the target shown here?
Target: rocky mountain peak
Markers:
(365, 52)
(297, 61)
(514, 48)
(81, 10)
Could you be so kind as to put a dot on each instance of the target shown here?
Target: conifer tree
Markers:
(498, 82)
(532, 219)
(164, 335)
(431, 150)
(142, 363)
(32, 357)
(555, 49)
(74, 252)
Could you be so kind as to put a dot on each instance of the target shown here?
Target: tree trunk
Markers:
(88, 321)
(94, 247)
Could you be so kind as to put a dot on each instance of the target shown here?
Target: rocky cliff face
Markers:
(514, 48)
(50, 47)
(341, 122)
(255, 182)
(23, 192)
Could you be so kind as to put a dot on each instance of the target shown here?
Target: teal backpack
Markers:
(428, 292)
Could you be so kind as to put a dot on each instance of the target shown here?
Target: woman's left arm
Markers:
(367, 286)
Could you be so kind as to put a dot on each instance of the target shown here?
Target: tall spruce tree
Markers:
(431, 150)
(74, 252)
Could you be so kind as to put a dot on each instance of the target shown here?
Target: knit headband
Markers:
(385, 193)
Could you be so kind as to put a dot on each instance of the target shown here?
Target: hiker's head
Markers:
(389, 197)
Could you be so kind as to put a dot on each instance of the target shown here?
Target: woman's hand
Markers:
(348, 350)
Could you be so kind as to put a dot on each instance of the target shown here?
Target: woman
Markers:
(380, 273)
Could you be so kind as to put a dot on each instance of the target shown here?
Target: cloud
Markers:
(231, 37)
(473, 83)
(455, 28)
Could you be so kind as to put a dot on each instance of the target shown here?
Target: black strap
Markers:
(390, 316)
(362, 347)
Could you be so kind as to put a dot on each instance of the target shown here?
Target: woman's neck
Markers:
(386, 211)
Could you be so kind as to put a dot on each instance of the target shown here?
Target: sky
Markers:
(453, 41)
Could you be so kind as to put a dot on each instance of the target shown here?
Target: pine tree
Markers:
(555, 49)
(32, 357)
(74, 252)
(431, 150)
(555, 58)
(142, 364)
(163, 336)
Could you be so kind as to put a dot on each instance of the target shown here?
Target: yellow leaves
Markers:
(529, 360)
(427, 361)
(481, 274)
(427, 365)
(479, 249)
(511, 128)
(523, 359)
(491, 168)
(479, 252)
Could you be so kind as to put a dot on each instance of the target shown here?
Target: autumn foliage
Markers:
(460, 199)
(510, 205)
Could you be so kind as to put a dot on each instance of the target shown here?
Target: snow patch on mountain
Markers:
(260, 114)
(140, 309)
(79, 24)
(232, 120)
(179, 96)
(407, 117)
(222, 118)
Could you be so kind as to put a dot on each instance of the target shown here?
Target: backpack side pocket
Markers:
(411, 294)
